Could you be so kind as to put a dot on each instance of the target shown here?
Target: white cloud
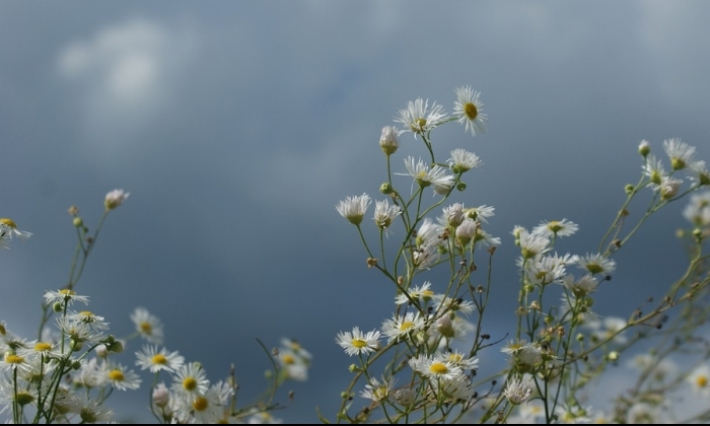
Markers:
(126, 72)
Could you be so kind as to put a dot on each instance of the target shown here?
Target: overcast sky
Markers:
(237, 127)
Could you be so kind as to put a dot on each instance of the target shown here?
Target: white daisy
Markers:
(460, 360)
(453, 215)
(581, 287)
(353, 208)
(517, 391)
(115, 198)
(699, 379)
(462, 161)
(120, 377)
(466, 231)
(190, 380)
(533, 244)
(8, 229)
(596, 264)
(378, 391)
(418, 118)
(356, 343)
(426, 176)
(480, 213)
(680, 153)
(64, 296)
(468, 108)
(559, 228)
(654, 171)
(697, 212)
(149, 326)
(422, 293)
(150, 358)
(435, 367)
(385, 213)
(669, 187)
(402, 326)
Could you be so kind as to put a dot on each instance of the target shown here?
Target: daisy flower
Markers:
(356, 343)
(466, 231)
(697, 212)
(115, 198)
(385, 214)
(295, 366)
(425, 175)
(517, 391)
(377, 391)
(457, 388)
(462, 161)
(93, 321)
(556, 228)
(480, 212)
(581, 287)
(533, 244)
(94, 412)
(64, 296)
(120, 377)
(150, 358)
(435, 367)
(401, 326)
(148, 326)
(453, 215)
(190, 380)
(680, 153)
(418, 118)
(654, 171)
(8, 228)
(353, 208)
(422, 292)
(669, 187)
(459, 359)
(596, 264)
(468, 108)
(701, 175)
(699, 379)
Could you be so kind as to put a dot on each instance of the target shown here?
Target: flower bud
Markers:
(644, 148)
(101, 351)
(161, 395)
(78, 222)
(388, 140)
(386, 188)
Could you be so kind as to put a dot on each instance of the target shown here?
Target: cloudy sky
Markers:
(237, 127)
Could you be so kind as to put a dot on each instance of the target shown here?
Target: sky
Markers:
(238, 126)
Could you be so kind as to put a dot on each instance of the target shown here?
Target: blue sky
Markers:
(238, 126)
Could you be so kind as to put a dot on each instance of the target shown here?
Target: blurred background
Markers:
(237, 127)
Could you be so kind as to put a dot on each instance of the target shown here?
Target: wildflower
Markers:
(669, 187)
(205, 408)
(353, 208)
(596, 264)
(555, 228)
(454, 214)
(91, 375)
(435, 367)
(484, 238)
(699, 379)
(156, 360)
(680, 153)
(466, 232)
(460, 360)
(609, 328)
(294, 359)
(654, 171)
(115, 198)
(8, 229)
(190, 380)
(462, 161)
(515, 346)
(644, 148)
(697, 212)
(161, 395)
(701, 175)
(388, 140)
(120, 377)
(148, 326)
(422, 293)
(296, 347)
(356, 343)
(95, 322)
(468, 109)
(425, 175)
(517, 391)
(533, 244)
(456, 388)
(64, 296)
(418, 118)
(402, 326)
(377, 391)
(385, 214)
(546, 269)
(480, 213)
(581, 287)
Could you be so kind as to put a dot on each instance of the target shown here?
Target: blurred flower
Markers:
(388, 140)
(64, 296)
(377, 391)
(680, 153)
(120, 377)
(115, 198)
(555, 228)
(699, 379)
(148, 325)
(596, 264)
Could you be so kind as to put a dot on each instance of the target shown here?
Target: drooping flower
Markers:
(353, 208)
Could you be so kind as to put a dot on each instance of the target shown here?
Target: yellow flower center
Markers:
(24, 398)
(146, 328)
(594, 268)
(189, 383)
(200, 404)
(42, 346)
(406, 325)
(455, 357)
(288, 359)
(116, 375)
(701, 381)
(295, 346)
(359, 343)
(67, 292)
(88, 416)
(427, 294)
(159, 359)
(418, 125)
(554, 226)
(471, 111)
(88, 316)
(14, 359)
(8, 222)
(439, 368)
